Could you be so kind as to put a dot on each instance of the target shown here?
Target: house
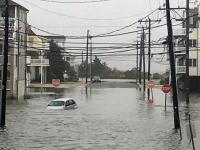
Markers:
(17, 48)
(37, 61)
(61, 42)
(194, 52)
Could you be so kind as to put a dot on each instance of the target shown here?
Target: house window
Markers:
(1, 48)
(1, 75)
(193, 43)
(192, 62)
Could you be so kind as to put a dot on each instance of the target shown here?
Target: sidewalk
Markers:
(62, 85)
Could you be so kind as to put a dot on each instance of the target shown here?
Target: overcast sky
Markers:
(99, 17)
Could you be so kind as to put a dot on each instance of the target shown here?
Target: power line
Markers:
(76, 17)
(76, 2)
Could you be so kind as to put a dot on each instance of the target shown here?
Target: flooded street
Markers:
(110, 115)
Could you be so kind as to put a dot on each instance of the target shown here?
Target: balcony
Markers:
(179, 50)
(179, 33)
(37, 62)
(1, 60)
(11, 22)
(180, 69)
(10, 34)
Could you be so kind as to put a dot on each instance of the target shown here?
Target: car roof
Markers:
(62, 99)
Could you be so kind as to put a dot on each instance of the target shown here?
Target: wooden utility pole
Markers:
(172, 67)
(5, 68)
(140, 62)
(149, 50)
(87, 47)
(144, 67)
(187, 78)
(91, 60)
(149, 58)
(137, 63)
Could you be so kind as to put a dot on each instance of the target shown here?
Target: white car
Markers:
(62, 103)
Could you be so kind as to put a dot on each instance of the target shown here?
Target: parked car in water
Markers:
(96, 79)
(62, 103)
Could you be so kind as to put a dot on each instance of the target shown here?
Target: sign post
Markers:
(151, 85)
(56, 83)
(166, 88)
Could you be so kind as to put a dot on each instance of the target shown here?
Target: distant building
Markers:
(17, 48)
(37, 61)
(194, 52)
(60, 41)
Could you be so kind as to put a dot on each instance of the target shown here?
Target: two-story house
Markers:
(37, 61)
(17, 48)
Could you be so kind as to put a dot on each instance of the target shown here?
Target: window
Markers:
(193, 43)
(1, 75)
(1, 48)
(192, 62)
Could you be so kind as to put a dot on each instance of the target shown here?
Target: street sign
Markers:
(56, 82)
(150, 84)
(166, 88)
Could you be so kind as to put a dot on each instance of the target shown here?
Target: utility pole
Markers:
(143, 55)
(87, 47)
(18, 51)
(149, 50)
(187, 78)
(137, 63)
(172, 67)
(140, 62)
(5, 68)
(149, 59)
(91, 60)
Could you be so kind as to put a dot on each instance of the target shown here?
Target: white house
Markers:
(194, 51)
(17, 48)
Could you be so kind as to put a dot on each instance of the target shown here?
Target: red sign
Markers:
(151, 84)
(56, 82)
(166, 88)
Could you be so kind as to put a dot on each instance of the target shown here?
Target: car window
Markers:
(67, 103)
(71, 102)
(56, 103)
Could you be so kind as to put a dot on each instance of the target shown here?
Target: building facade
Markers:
(194, 52)
(37, 61)
(17, 48)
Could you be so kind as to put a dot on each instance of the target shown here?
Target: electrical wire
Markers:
(75, 2)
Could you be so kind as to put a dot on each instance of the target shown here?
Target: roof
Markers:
(12, 3)
(55, 37)
(31, 33)
(62, 99)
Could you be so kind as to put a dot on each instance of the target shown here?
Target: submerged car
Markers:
(63, 103)
(96, 79)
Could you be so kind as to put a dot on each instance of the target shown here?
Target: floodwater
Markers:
(111, 115)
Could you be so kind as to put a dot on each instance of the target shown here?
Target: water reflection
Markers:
(110, 115)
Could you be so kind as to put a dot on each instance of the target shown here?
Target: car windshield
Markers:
(56, 103)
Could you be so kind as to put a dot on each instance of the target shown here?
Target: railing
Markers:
(180, 50)
(180, 32)
(8, 85)
(1, 60)
(10, 34)
(37, 62)
(180, 69)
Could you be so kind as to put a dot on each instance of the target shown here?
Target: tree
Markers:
(57, 65)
